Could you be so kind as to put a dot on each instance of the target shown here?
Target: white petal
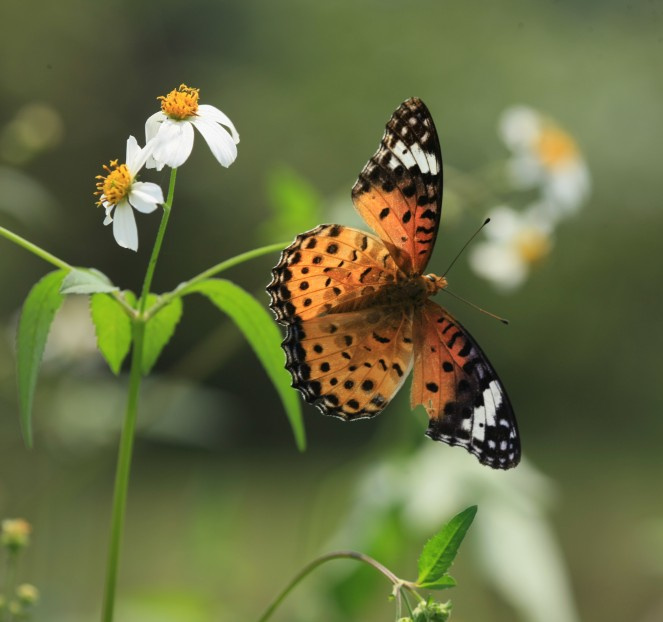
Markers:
(498, 263)
(568, 186)
(519, 127)
(504, 223)
(153, 124)
(124, 227)
(136, 156)
(173, 144)
(145, 196)
(219, 141)
(109, 219)
(211, 113)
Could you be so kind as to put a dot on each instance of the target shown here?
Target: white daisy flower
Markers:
(545, 155)
(171, 130)
(515, 242)
(119, 194)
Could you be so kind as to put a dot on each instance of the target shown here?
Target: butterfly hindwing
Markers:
(399, 191)
(351, 364)
(466, 402)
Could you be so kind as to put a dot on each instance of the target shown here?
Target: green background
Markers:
(222, 507)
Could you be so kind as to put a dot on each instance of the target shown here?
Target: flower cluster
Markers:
(19, 600)
(546, 160)
(168, 142)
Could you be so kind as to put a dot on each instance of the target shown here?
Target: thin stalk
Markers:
(34, 249)
(125, 451)
(122, 472)
(149, 274)
(9, 583)
(182, 288)
(321, 560)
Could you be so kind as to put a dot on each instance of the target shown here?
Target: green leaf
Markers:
(158, 330)
(113, 328)
(38, 312)
(441, 549)
(444, 582)
(87, 281)
(264, 337)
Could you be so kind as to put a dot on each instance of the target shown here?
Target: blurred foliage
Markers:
(310, 84)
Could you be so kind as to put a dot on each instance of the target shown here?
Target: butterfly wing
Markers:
(326, 267)
(346, 357)
(350, 364)
(466, 403)
(399, 191)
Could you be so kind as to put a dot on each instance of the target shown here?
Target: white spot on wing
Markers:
(404, 155)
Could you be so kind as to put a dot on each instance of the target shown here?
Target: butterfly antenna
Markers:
(460, 252)
(471, 304)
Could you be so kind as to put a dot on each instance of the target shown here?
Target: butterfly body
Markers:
(358, 313)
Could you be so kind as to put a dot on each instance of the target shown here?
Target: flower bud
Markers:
(27, 593)
(15, 534)
(431, 611)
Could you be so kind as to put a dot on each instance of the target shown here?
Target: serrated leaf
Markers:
(439, 552)
(86, 281)
(264, 337)
(112, 326)
(158, 330)
(444, 582)
(37, 315)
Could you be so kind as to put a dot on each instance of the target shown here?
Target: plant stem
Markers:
(321, 560)
(34, 249)
(9, 584)
(147, 283)
(125, 452)
(181, 289)
(122, 472)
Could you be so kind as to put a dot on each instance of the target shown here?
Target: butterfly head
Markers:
(434, 283)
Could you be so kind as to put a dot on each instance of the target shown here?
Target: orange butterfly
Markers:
(358, 314)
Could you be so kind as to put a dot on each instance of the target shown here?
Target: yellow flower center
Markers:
(180, 103)
(532, 245)
(555, 147)
(114, 186)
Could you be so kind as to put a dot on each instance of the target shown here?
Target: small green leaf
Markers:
(441, 549)
(113, 328)
(444, 582)
(37, 314)
(87, 281)
(158, 330)
(264, 337)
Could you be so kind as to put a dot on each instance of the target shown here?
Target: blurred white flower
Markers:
(171, 130)
(545, 155)
(118, 190)
(516, 241)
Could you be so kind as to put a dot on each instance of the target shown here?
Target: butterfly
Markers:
(358, 314)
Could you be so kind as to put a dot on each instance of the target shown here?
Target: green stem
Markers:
(9, 584)
(182, 288)
(34, 249)
(122, 472)
(129, 427)
(147, 283)
(321, 560)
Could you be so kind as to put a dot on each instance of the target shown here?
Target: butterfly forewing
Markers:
(399, 191)
(465, 400)
(325, 267)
